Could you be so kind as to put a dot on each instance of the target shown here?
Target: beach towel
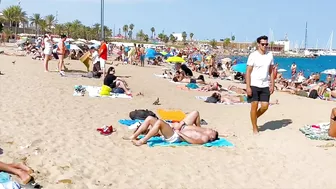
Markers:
(173, 115)
(95, 92)
(161, 75)
(7, 183)
(158, 141)
(177, 83)
(317, 131)
(131, 124)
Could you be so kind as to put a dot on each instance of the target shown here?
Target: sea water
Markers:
(307, 65)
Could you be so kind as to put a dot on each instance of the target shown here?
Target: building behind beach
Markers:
(178, 36)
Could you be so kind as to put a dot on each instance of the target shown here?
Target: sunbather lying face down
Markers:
(211, 87)
(189, 130)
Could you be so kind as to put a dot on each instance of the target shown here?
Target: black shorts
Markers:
(259, 94)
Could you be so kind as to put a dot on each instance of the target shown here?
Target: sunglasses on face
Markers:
(264, 44)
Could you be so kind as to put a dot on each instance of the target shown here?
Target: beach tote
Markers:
(141, 114)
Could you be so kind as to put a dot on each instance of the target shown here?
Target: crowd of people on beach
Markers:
(261, 79)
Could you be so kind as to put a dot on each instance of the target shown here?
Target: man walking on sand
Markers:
(103, 56)
(259, 80)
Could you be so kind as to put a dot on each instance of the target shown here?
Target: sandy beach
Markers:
(55, 133)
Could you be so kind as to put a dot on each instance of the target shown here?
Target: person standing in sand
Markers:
(48, 48)
(142, 55)
(61, 53)
(259, 80)
(103, 56)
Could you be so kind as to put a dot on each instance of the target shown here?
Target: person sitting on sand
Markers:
(19, 169)
(189, 130)
(117, 85)
(186, 71)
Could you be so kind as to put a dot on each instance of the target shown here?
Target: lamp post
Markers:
(102, 20)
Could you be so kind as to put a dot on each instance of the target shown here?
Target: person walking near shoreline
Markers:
(259, 80)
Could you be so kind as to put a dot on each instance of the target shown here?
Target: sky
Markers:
(207, 19)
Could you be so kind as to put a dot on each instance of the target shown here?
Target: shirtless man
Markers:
(189, 130)
(142, 56)
(61, 54)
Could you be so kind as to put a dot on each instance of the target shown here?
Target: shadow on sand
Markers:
(277, 124)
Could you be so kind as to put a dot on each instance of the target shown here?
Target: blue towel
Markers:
(158, 141)
(4, 177)
(129, 122)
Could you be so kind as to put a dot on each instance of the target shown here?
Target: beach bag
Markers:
(211, 99)
(105, 90)
(313, 94)
(141, 114)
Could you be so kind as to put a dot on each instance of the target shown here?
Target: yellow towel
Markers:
(173, 115)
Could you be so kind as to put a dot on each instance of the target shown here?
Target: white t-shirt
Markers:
(47, 43)
(261, 64)
(95, 57)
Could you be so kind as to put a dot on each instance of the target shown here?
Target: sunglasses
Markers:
(264, 44)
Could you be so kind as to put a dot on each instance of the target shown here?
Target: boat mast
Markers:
(306, 36)
(331, 41)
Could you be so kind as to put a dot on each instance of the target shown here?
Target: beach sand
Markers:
(55, 133)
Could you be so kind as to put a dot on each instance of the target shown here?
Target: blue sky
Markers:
(207, 19)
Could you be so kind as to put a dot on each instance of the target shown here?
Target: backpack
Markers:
(141, 114)
(313, 94)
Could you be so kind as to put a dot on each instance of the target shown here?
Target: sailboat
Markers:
(329, 51)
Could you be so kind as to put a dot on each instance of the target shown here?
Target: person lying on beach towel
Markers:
(188, 130)
(199, 80)
(19, 169)
(117, 85)
(211, 87)
(236, 89)
(217, 97)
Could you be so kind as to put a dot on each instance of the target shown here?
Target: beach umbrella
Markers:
(282, 70)
(150, 51)
(239, 68)
(330, 71)
(175, 59)
(150, 56)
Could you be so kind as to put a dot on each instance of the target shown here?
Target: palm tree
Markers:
(68, 27)
(213, 43)
(226, 42)
(125, 30)
(8, 16)
(172, 38)
(161, 36)
(50, 20)
(153, 31)
(75, 27)
(131, 27)
(146, 38)
(35, 20)
(16, 13)
(59, 29)
(23, 19)
(191, 35)
(140, 35)
(43, 26)
(130, 33)
(96, 29)
(184, 36)
(165, 38)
